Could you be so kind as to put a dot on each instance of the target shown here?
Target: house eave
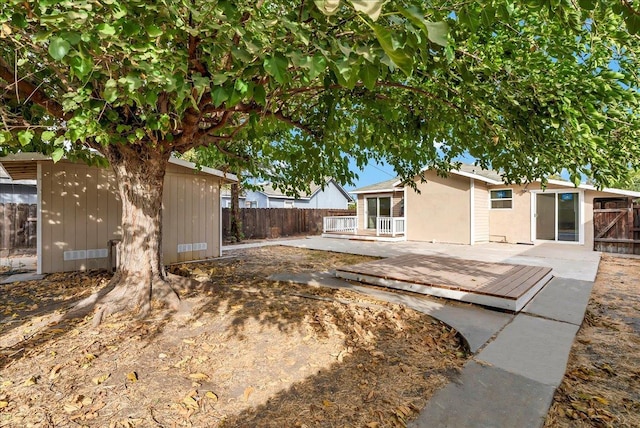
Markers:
(622, 192)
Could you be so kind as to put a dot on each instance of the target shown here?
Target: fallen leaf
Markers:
(247, 392)
(198, 376)
(211, 395)
(72, 407)
(30, 381)
(190, 402)
(3, 404)
(100, 379)
(132, 376)
(601, 400)
(55, 371)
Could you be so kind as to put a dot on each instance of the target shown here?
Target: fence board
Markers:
(616, 223)
(265, 223)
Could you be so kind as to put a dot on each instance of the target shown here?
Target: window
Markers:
(251, 204)
(501, 199)
(288, 204)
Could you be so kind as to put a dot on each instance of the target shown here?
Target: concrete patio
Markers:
(519, 360)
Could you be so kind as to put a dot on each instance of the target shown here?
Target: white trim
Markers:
(581, 215)
(623, 192)
(476, 177)
(405, 213)
(472, 211)
(219, 222)
(205, 169)
(39, 220)
(362, 192)
(462, 174)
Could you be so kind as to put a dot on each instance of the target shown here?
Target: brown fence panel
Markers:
(616, 225)
(17, 227)
(270, 223)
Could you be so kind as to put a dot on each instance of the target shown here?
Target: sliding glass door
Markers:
(377, 207)
(557, 216)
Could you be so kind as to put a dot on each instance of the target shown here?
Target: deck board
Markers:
(500, 285)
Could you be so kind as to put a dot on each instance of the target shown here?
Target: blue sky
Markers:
(372, 173)
(377, 172)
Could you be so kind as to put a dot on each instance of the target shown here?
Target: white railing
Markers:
(340, 224)
(390, 226)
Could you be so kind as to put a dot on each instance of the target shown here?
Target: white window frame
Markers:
(377, 197)
(491, 199)
(581, 216)
(288, 204)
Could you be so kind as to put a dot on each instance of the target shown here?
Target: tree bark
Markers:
(139, 171)
(236, 222)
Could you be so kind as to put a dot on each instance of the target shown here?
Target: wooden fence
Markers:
(616, 225)
(17, 227)
(262, 223)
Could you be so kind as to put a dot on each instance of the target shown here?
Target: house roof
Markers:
(383, 186)
(622, 192)
(490, 177)
(271, 192)
(24, 166)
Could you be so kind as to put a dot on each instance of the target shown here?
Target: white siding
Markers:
(481, 212)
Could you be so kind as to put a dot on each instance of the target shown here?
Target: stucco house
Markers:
(473, 206)
(79, 211)
(333, 196)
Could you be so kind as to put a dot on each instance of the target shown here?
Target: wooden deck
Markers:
(498, 285)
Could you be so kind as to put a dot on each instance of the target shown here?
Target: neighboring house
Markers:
(472, 205)
(333, 196)
(79, 211)
(17, 191)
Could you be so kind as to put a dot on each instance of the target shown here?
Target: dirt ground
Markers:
(601, 387)
(248, 353)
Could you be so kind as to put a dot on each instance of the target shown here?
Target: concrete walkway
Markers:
(519, 359)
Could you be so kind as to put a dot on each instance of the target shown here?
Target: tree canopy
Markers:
(528, 88)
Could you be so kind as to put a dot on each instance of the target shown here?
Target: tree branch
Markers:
(30, 91)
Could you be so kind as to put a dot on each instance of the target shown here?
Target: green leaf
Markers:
(403, 61)
(438, 32)
(276, 66)
(154, 30)
(25, 137)
(57, 154)
(106, 29)
(328, 7)
(219, 96)
(371, 8)
(369, 76)
(317, 65)
(81, 66)
(110, 93)
(19, 20)
(48, 135)
(58, 48)
(260, 95)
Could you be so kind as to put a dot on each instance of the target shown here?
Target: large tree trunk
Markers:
(139, 172)
(236, 221)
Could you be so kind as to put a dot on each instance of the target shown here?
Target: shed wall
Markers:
(81, 211)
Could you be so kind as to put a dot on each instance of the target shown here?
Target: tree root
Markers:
(125, 294)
